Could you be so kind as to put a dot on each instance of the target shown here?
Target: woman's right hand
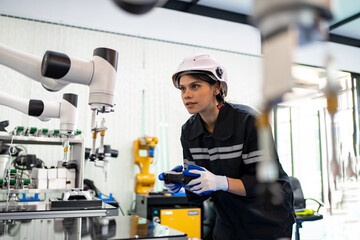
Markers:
(172, 187)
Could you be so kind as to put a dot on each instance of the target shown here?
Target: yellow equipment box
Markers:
(187, 220)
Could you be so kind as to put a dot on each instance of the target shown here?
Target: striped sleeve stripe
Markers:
(255, 156)
(226, 149)
(217, 149)
(188, 162)
(252, 154)
(217, 153)
(225, 156)
(198, 150)
(200, 156)
(253, 160)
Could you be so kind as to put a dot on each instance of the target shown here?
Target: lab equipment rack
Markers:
(15, 210)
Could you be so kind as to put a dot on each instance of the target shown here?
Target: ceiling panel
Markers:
(344, 28)
(239, 6)
(350, 29)
(343, 9)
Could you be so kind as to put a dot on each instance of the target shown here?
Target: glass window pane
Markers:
(306, 150)
(283, 137)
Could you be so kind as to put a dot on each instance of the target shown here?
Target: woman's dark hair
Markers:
(211, 81)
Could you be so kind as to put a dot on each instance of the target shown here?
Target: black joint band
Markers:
(71, 98)
(55, 65)
(110, 55)
(136, 8)
(36, 107)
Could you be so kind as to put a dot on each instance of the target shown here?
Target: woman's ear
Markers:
(217, 88)
(216, 91)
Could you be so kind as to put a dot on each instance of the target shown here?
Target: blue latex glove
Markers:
(172, 187)
(206, 182)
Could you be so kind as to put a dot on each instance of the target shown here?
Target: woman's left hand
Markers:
(206, 182)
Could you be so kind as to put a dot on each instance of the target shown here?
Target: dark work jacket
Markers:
(232, 150)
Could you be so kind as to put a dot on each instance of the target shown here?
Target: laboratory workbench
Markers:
(42, 210)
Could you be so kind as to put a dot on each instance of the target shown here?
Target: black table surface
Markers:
(112, 227)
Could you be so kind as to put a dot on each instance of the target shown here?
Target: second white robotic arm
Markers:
(66, 110)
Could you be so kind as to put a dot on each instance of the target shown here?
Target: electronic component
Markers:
(177, 177)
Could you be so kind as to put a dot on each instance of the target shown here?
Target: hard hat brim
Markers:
(176, 76)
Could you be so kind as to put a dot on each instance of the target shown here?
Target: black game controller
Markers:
(177, 177)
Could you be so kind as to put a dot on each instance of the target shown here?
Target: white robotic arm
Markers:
(99, 74)
(56, 70)
(66, 110)
(29, 66)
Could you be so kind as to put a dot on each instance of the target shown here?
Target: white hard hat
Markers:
(201, 63)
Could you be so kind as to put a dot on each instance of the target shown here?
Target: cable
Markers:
(133, 206)
(120, 208)
(90, 185)
(21, 162)
(14, 229)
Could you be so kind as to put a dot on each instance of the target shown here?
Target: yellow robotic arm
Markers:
(144, 156)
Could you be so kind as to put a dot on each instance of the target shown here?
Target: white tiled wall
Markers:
(144, 71)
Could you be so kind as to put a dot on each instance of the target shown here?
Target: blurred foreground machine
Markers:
(284, 26)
